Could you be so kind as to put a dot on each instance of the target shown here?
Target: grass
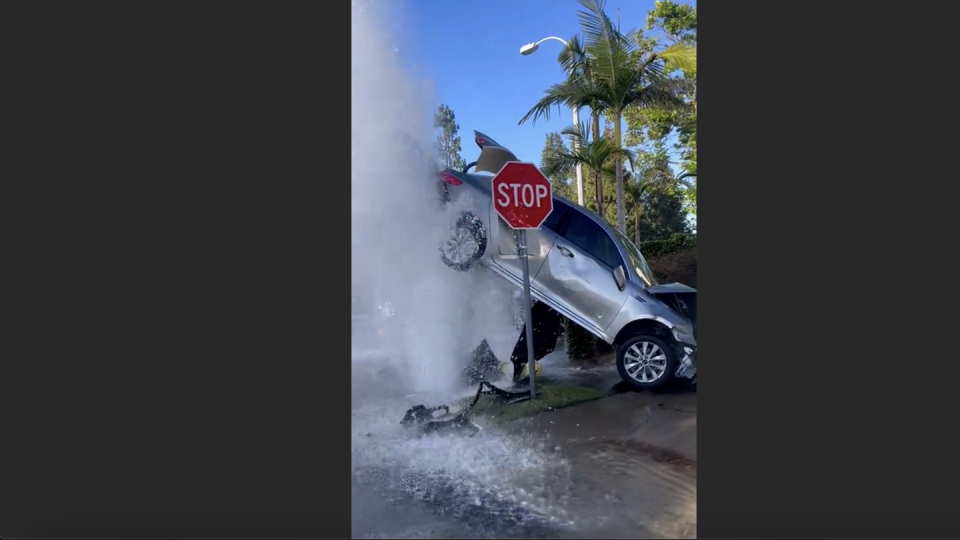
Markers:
(550, 395)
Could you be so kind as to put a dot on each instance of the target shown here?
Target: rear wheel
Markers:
(646, 362)
(466, 244)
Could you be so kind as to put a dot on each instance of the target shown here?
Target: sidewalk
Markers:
(666, 419)
(661, 425)
(631, 458)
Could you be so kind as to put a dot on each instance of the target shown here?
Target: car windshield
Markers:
(636, 259)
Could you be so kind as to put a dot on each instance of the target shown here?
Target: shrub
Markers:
(656, 249)
(580, 343)
(677, 267)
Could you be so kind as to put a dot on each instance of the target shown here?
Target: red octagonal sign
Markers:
(522, 195)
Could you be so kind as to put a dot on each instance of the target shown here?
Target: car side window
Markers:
(553, 220)
(590, 237)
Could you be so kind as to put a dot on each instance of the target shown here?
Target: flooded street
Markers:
(376, 515)
(524, 481)
(411, 486)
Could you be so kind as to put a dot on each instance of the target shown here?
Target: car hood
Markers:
(678, 297)
(670, 288)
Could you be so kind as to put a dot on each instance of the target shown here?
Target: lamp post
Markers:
(531, 48)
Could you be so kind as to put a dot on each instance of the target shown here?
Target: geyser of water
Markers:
(397, 222)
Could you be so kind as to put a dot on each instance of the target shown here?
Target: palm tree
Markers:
(689, 181)
(654, 176)
(575, 62)
(598, 155)
(608, 78)
(635, 190)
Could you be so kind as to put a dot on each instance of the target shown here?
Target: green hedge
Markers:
(580, 343)
(658, 248)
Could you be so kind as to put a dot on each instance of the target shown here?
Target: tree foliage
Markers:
(599, 155)
(448, 139)
(562, 179)
(610, 72)
(654, 205)
(677, 23)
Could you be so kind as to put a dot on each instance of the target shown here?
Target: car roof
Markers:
(586, 211)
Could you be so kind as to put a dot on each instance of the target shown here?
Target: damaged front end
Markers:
(682, 300)
(687, 368)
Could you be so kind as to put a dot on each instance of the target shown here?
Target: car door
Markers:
(578, 272)
(539, 242)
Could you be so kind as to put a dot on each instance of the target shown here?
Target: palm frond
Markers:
(580, 133)
(598, 154)
(664, 94)
(573, 58)
(608, 49)
(636, 189)
(680, 55)
(560, 163)
(570, 93)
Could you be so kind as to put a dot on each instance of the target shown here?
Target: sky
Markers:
(470, 52)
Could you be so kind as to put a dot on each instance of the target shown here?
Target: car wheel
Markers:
(646, 362)
(467, 243)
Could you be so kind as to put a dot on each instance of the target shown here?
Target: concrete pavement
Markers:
(631, 461)
(664, 425)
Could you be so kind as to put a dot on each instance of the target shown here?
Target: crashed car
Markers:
(580, 268)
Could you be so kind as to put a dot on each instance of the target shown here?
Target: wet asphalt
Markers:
(375, 514)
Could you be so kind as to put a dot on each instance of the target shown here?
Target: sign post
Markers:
(523, 197)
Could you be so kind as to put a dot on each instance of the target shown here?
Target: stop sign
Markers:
(522, 195)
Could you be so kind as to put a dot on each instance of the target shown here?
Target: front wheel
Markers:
(466, 244)
(646, 362)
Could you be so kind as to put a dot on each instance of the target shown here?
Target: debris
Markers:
(429, 422)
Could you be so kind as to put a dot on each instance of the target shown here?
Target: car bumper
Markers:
(686, 337)
(687, 366)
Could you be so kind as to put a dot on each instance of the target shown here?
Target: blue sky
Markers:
(470, 50)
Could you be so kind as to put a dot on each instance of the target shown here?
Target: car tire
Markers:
(467, 227)
(644, 347)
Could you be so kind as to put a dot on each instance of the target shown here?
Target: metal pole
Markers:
(528, 314)
(576, 124)
(576, 113)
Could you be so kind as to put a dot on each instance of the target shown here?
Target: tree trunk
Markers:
(636, 224)
(598, 184)
(621, 210)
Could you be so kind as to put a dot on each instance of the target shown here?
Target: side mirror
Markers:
(620, 277)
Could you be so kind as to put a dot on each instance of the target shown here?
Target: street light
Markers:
(531, 48)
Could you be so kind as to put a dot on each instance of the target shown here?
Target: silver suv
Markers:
(581, 268)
